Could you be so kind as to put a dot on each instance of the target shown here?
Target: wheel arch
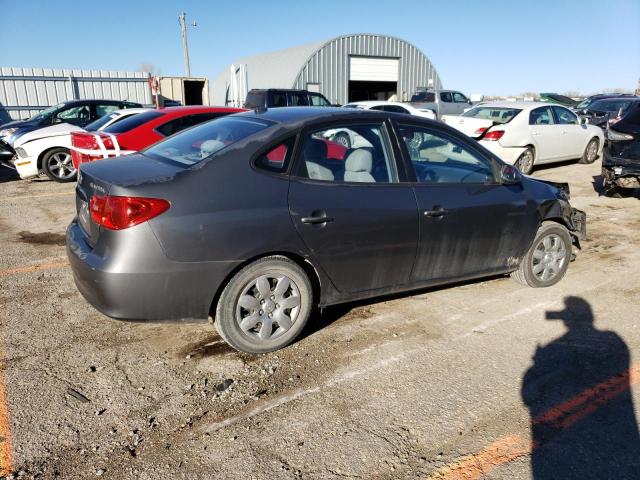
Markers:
(47, 150)
(309, 268)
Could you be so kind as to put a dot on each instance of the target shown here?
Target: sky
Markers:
(493, 47)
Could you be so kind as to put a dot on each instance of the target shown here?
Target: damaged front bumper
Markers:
(579, 223)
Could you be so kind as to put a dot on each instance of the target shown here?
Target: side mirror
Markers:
(56, 120)
(510, 175)
(582, 121)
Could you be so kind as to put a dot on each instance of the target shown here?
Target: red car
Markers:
(140, 131)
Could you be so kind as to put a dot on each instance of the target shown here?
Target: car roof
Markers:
(375, 103)
(190, 109)
(520, 105)
(286, 114)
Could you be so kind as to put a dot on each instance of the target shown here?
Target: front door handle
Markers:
(436, 212)
(316, 220)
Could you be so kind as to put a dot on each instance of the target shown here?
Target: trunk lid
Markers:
(123, 176)
(472, 127)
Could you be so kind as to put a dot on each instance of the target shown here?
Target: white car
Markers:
(49, 149)
(351, 140)
(530, 133)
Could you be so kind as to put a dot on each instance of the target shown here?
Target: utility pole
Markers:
(185, 47)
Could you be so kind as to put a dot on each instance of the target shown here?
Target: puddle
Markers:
(45, 238)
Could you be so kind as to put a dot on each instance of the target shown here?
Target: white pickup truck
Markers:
(441, 102)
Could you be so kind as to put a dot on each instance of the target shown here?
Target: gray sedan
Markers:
(258, 217)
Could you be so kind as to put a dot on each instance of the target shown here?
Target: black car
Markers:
(606, 110)
(621, 161)
(258, 217)
(587, 102)
(75, 112)
(277, 97)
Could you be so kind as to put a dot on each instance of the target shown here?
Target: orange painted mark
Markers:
(33, 268)
(6, 449)
(509, 448)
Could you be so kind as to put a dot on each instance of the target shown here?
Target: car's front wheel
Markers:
(265, 306)
(525, 161)
(547, 260)
(58, 166)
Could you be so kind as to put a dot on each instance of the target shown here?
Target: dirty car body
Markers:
(357, 232)
(621, 162)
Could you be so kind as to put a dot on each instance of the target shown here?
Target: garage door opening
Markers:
(372, 78)
(362, 90)
(193, 92)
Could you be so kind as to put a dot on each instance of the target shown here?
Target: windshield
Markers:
(47, 112)
(611, 105)
(498, 115)
(101, 122)
(197, 143)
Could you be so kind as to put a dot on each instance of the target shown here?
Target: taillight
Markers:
(118, 213)
(493, 135)
(481, 130)
(84, 141)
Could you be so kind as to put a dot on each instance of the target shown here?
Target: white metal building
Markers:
(26, 91)
(347, 68)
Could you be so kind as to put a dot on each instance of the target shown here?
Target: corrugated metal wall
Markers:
(329, 66)
(26, 91)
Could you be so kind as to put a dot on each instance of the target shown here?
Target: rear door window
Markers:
(541, 116)
(446, 97)
(278, 99)
(103, 109)
(297, 99)
(133, 121)
(369, 160)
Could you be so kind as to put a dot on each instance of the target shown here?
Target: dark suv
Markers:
(273, 97)
(76, 112)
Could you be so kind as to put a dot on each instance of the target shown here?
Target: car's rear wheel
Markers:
(547, 260)
(58, 165)
(591, 151)
(525, 161)
(265, 306)
(343, 139)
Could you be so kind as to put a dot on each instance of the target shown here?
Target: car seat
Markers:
(358, 166)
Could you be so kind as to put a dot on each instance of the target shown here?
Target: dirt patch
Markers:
(44, 238)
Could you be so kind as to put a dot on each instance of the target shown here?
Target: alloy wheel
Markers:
(61, 165)
(592, 151)
(525, 162)
(268, 307)
(548, 257)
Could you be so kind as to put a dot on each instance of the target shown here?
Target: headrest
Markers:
(359, 160)
(210, 147)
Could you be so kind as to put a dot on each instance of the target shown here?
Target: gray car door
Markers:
(358, 222)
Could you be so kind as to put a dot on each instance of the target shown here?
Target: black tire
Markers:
(526, 160)
(58, 166)
(230, 313)
(588, 157)
(526, 273)
(343, 139)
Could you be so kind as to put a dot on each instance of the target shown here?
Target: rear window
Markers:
(194, 145)
(498, 115)
(132, 122)
(424, 97)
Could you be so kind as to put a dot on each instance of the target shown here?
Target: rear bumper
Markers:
(507, 154)
(624, 173)
(150, 287)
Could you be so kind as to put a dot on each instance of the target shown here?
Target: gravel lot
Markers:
(445, 383)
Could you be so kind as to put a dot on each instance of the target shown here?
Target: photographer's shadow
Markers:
(583, 424)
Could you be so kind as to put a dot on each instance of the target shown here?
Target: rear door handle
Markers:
(436, 212)
(316, 220)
